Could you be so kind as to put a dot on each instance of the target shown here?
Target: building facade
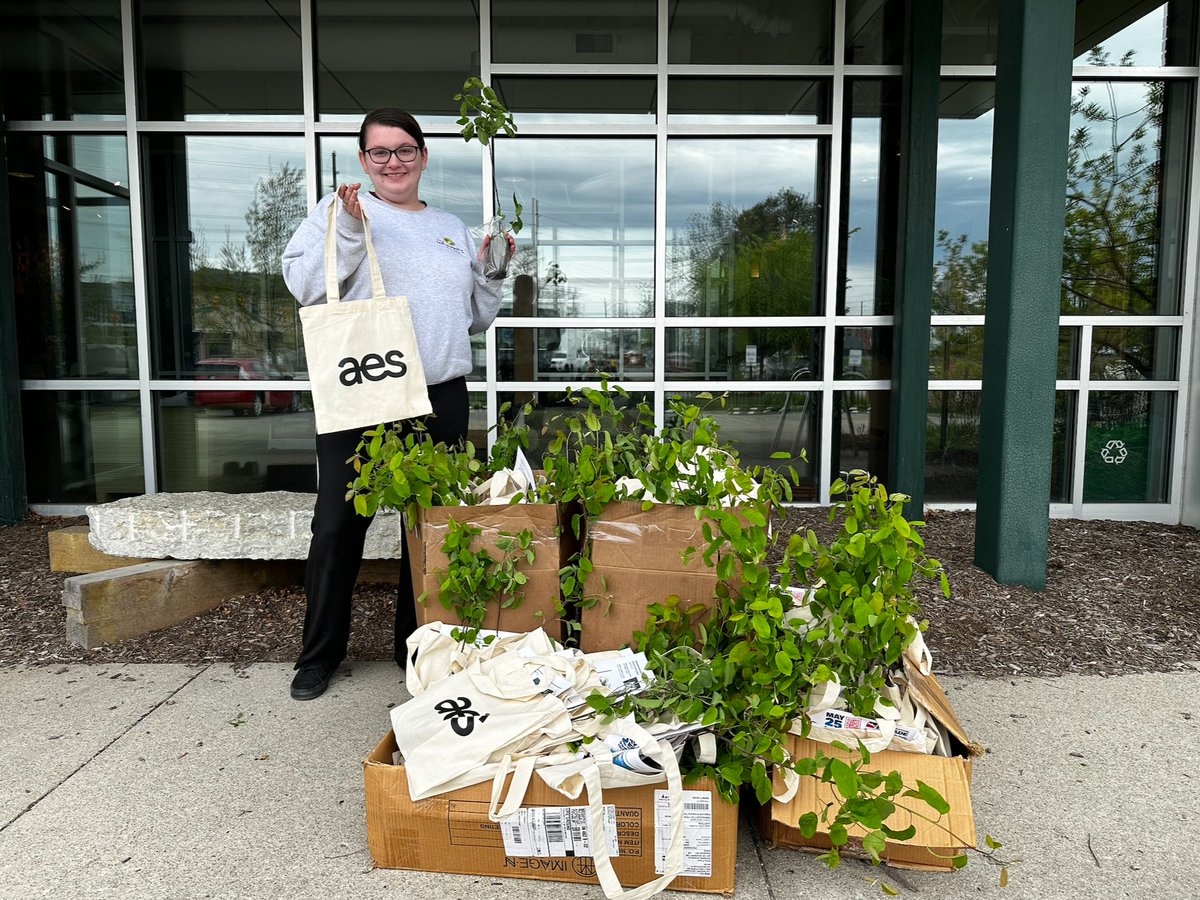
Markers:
(711, 199)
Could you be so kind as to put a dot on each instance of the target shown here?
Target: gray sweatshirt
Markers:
(426, 255)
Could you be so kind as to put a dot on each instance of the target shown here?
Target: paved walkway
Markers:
(180, 782)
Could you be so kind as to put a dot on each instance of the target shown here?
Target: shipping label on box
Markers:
(547, 840)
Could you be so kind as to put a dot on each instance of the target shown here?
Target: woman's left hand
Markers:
(487, 240)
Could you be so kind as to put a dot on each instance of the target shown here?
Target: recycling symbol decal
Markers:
(1114, 452)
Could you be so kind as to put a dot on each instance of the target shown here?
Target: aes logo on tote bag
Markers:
(372, 367)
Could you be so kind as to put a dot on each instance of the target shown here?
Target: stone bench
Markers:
(152, 561)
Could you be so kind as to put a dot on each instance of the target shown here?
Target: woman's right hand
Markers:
(348, 194)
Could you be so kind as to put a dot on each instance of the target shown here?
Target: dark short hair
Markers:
(393, 117)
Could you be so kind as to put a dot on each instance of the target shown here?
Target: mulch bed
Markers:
(1120, 597)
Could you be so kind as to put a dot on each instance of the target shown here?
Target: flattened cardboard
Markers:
(452, 833)
(934, 844)
(637, 559)
(553, 546)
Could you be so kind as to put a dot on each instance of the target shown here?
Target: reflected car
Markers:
(243, 400)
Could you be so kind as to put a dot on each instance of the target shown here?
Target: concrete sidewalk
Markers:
(169, 781)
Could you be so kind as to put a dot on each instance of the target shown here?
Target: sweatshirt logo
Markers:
(451, 244)
(372, 367)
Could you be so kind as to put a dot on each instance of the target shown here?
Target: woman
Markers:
(427, 255)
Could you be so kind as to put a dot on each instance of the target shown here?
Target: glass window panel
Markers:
(860, 433)
(546, 408)
(572, 100)
(964, 184)
(57, 63)
(477, 422)
(82, 446)
(731, 101)
(1120, 34)
(952, 446)
(236, 441)
(1068, 353)
(870, 199)
(73, 256)
(743, 354)
(219, 60)
(767, 32)
(574, 354)
(864, 353)
(1127, 458)
(1135, 354)
(1062, 460)
(589, 224)
(744, 228)
(219, 211)
(453, 180)
(1111, 247)
(760, 423)
(956, 351)
(624, 33)
(874, 32)
(440, 47)
(969, 30)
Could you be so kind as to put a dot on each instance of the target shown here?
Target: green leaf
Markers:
(930, 796)
(873, 842)
(903, 834)
(808, 824)
(783, 662)
(845, 779)
(959, 861)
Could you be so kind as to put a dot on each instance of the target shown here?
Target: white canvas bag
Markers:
(363, 362)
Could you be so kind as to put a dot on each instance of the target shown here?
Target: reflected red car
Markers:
(243, 400)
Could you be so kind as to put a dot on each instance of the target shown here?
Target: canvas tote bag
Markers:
(363, 363)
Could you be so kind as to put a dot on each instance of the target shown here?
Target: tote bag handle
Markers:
(333, 291)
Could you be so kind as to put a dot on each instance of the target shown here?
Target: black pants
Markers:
(338, 535)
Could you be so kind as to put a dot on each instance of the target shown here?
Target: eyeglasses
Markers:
(381, 155)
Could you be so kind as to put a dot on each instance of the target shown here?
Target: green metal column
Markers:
(1025, 242)
(13, 497)
(914, 268)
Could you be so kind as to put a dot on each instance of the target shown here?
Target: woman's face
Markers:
(394, 180)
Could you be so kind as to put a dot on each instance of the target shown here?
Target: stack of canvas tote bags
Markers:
(363, 361)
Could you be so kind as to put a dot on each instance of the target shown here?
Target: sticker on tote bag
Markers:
(460, 715)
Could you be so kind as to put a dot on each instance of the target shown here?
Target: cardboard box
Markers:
(452, 833)
(933, 846)
(553, 546)
(637, 560)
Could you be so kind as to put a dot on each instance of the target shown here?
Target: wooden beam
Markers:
(70, 551)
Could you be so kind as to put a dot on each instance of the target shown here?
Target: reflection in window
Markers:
(969, 30)
(574, 32)
(952, 446)
(236, 441)
(744, 227)
(956, 351)
(201, 61)
(964, 184)
(439, 46)
(1062, 466)
(766, 32)
(588, 240)
(1129, 36)
(82, 446)
(1068, 353)
(1127, 458)
(860, 430)
(759, 424)
(58, 64)
(864, 353)
(725, 101)
(73, 254)
(870, 199)
(220, 210)
(574, 354)
(743, 354)
(1134, 354)
(1111, 248)
(578, 100)
(874, 33)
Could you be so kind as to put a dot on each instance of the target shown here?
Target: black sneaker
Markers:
(310, 682)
